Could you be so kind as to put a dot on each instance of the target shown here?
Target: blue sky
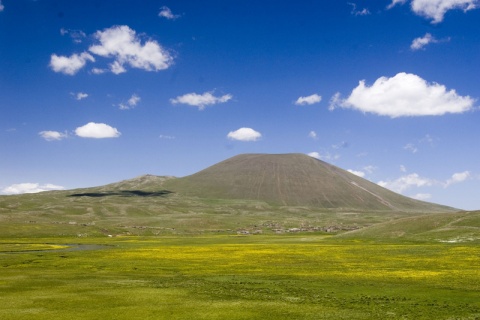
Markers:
(94, 92)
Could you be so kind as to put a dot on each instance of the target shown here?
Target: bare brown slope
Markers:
(293, 179)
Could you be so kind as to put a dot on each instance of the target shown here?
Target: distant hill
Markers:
(440, 227)
(294, 180)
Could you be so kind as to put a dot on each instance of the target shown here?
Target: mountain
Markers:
(246, 193)
(293, 180)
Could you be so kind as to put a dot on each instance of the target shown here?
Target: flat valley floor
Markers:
(289, 276)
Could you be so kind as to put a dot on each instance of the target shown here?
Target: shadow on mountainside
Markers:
(123, 193)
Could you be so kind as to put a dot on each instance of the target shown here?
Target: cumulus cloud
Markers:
(30, 188)
(97, 131)
(244, 134)
(404, 95)
(312, 99)
(123, 44)
(357, 173)
(200, 100)
(131, 103)
(457, 178)
(436, 9)
(166, 13)
(2, 7)
(70, 65)
(52, 135)
(117, 67)
(406, 182)
(421, 42)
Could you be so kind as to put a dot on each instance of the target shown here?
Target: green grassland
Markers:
(147, 211)
(301, 276)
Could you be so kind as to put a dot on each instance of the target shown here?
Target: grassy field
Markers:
(301, 276)
(97, 213)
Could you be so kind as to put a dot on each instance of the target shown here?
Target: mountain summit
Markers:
(294, 180)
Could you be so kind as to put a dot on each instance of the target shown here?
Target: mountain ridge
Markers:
(294, 179)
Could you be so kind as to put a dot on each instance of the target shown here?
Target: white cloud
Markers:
(335, 101)
(313, 135)
(166, 13)
(395, 2)
(357, 173)
(315, 155)
(403, 168)
(420, 43)
(134, 100)
(414, 180)
(80, 95)
(200, 100)
(52, 135)
(2, 7)
(356, 12)
(97, 131)
(131, 103)
(406, 182)
(69, 65)
(122, 43)
(436, 9)
(404, 95)
(244, 134)
(457, 178)
(117, 68)
(166, 137)
(98, 71)
(312, 99)
(30, 188)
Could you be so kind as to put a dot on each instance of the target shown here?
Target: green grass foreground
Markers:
(302, 276)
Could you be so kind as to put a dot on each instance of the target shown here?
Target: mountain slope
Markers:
(441, 227)
(293, 180)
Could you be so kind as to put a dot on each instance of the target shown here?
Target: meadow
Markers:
(288, 276)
